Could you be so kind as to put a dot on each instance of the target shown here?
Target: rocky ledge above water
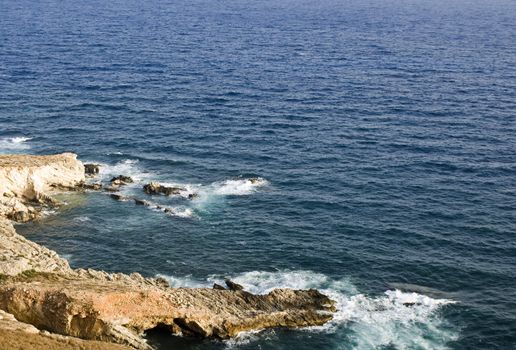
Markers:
(43, 294)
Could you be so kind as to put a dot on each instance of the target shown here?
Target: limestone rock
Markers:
(40, 289)
(27, 180)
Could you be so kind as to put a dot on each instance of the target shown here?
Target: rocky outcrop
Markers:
(26, 182)
(156, 188)
(121, 180)
(18, 335)
(91, 169)
(42, 292)
(119, 309)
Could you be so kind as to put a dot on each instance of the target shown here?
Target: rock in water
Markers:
(93, 187)
(38, 288)
(156, 188)
(118, 197)
(91, 169)
(121, 180)
(141, 202)
(232, 285)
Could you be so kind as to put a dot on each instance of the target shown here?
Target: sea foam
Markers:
(238, 187)
(15, 143)
(394, 318)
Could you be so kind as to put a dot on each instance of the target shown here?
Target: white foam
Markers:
(238, 187)
(394, 318)
(243, 338)
(126, 167)
(15, 143)
(67, 257)
(180, 212)
(186, 281)
(81, 219)
(186, 189)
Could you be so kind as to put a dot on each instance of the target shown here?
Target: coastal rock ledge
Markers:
(46, 301)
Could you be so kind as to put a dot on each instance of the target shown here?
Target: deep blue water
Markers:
(383, 131)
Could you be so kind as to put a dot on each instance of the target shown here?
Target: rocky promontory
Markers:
(41, 296)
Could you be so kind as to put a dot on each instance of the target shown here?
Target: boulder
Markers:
(156, 188)
(233, 286)
(218, 286)
(121, 180)
(91, 169)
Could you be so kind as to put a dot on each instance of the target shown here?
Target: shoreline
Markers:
(40, 289)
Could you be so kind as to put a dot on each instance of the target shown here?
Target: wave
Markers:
(127, 167)
(231, 187)
(15, 143)
(402, 320)
(238, 187)
(81, 219)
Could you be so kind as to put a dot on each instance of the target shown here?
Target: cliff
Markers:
(40, 291)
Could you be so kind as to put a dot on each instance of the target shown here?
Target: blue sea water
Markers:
(383, 134)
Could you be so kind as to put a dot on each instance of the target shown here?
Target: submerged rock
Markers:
(141, 202)
(119, 197)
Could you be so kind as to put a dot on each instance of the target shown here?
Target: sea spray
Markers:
(394, 318)
(14, 143)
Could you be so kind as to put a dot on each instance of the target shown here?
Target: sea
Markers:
(366, 148)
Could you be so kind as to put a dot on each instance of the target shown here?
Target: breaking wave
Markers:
(402, 320)
(238, 187)
(127, 167)
(15, 143)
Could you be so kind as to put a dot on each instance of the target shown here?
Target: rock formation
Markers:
(91, 169)
(121, 180)
(156, 188)
(25, 182)
(40, 293)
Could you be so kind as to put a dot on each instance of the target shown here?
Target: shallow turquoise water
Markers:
(384, 132)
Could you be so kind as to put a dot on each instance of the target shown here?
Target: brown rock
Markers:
(118, 197)
(93, 187)
(218, 286)
(121, 180)
(233, 286)
(40, 289)
(156, 188)
(141, 202)
(91, 169)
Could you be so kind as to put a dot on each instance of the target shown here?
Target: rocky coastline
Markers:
(43, 299)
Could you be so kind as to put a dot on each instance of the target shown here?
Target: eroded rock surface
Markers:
(26, 182)
(42, 292)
